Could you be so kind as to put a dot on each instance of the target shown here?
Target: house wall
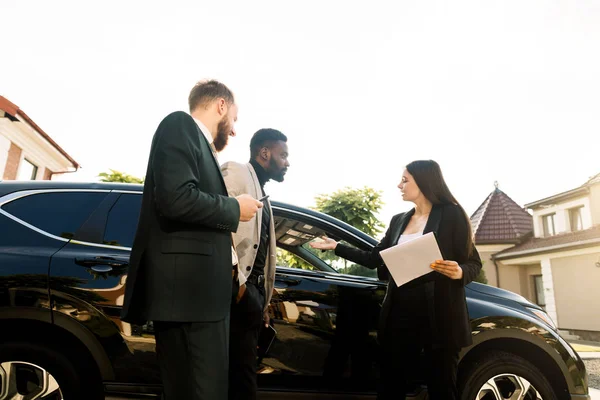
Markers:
(4, 147)
(24, 142)
(510, 277)
(485, 253)
(519, 279)
(13, 160)
(561, 217)
(595, 203)
(576, 287)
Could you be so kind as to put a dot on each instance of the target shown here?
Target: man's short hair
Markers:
(265, 137)
(207, 91)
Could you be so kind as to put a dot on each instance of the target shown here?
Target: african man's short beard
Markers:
(275, 172)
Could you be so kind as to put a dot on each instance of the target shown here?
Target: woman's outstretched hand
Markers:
(325, 244)
(449, 268)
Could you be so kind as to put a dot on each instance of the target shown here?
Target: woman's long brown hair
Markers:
(428, 177)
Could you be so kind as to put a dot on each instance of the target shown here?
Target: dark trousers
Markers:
(246, 319)
(407, 334)
(193, 359)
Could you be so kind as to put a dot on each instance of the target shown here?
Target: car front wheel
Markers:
(501, 376)
(37, 371)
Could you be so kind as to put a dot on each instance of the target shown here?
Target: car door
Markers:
(326, 319)
(98, 260)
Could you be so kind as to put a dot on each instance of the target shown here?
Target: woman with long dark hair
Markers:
(430, 312)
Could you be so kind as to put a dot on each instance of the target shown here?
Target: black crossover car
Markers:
(64, 251)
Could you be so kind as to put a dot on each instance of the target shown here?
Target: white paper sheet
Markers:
(409, 260)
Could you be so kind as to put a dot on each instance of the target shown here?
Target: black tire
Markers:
(67, 371)
(473, 377)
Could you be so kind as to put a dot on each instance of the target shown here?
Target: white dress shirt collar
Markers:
(207, 134)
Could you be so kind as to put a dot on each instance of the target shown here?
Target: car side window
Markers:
(122, 221)
(342, 265)
(57, 213)
(291, 260)
(296, 234)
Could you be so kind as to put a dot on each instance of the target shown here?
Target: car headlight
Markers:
(545, 317)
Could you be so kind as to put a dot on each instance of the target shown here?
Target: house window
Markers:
(548, 223)
(27, 171)
(538, 284)
(576, 219)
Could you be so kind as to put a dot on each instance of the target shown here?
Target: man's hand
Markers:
(266, 318)
(449, 268)
(240, 293)
(248, 206)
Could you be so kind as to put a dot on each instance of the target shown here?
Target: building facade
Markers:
(26, 151)
(549, 254)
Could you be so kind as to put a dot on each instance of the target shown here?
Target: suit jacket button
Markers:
(248, 268)
(256, 246)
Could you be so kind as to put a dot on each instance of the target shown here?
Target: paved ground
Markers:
(593, 369)
(590, 353)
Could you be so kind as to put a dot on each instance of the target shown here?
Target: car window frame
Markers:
(14, 196)
(337, 230)
(107, 215)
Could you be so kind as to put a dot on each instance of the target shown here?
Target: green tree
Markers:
(356, 207)
(481, 278)
(287, 259)
(117, 176)
(359, 270)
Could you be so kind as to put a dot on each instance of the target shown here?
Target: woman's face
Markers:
(408, 187)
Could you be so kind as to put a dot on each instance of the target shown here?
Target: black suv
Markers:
(64, 251)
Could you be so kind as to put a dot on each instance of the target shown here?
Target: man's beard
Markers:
(223, 131)
(276, 173)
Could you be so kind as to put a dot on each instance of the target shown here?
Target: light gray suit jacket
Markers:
(242, 179)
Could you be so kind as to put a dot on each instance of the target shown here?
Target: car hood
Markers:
(503, 293)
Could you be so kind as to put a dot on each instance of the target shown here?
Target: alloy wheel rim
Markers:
(26, 381)
(508, 387)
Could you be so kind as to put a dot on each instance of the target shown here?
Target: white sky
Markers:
(492, 90)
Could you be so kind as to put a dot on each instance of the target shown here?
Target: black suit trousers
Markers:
(193, 359)
(246, 320)
(407, 335)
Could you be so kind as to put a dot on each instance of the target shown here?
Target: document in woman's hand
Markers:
(410, 260)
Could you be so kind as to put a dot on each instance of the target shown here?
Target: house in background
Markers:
(551, 255)
(26, 151)
(498, 224)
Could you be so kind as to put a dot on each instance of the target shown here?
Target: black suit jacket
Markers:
(180, 265)
(447, 303)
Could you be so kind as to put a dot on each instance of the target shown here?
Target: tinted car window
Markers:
(290, 260)
(340, 264)
(60, 214)
(122, 221)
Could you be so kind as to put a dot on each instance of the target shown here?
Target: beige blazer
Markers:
(242, 179)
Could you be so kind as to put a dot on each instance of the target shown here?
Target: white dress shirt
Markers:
(409, 237)
(207, 134)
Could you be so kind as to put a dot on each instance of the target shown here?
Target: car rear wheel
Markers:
(34, 371)
(501, 376)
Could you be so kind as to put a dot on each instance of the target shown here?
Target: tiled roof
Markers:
(500, 220)
(561, 241)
